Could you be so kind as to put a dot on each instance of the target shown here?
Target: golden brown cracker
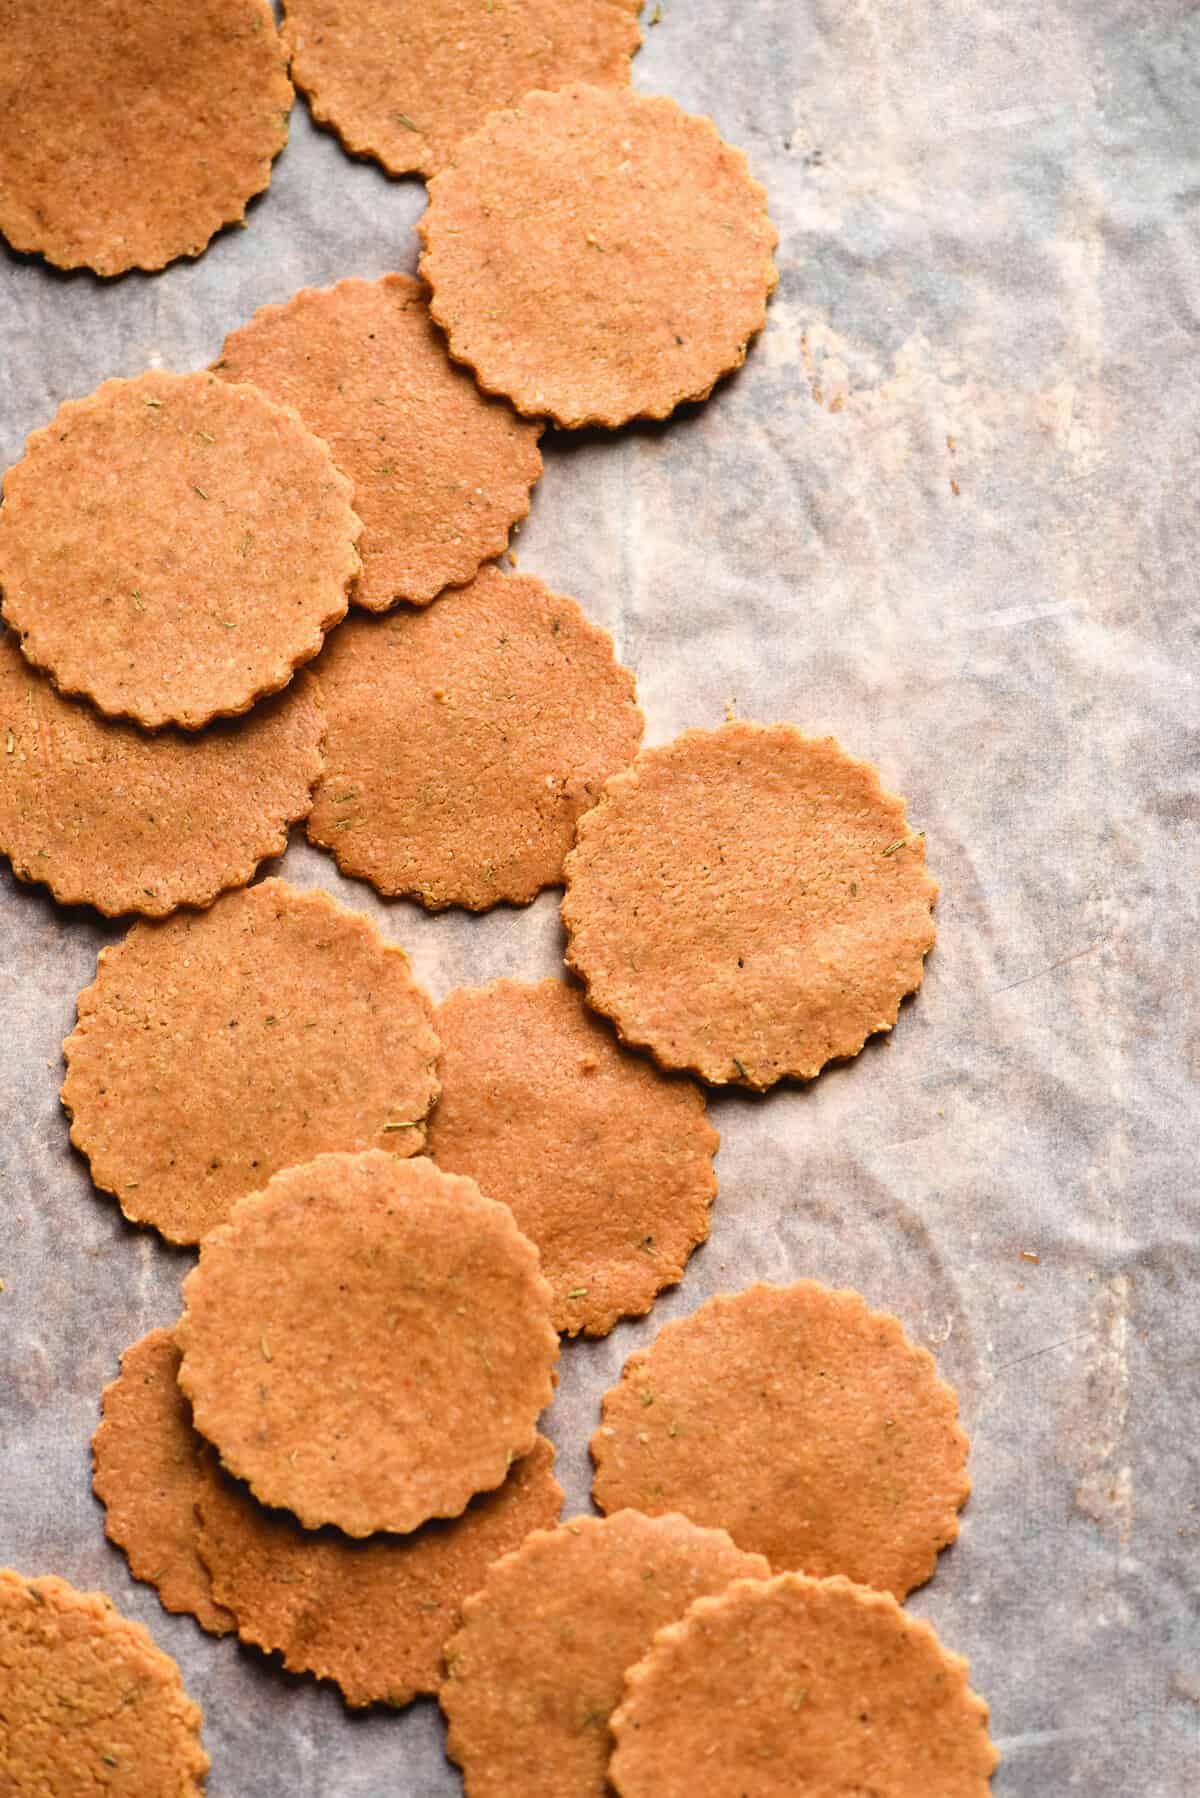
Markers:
(368, 1342)
(173, 547)
(150, 1471)
(88, 1702)
(213, 1049)
(538, 1664)
(800, 1688)
(803, 1423)
(131, 134)
(406, 81)
(464, 742)
(104, 815)
(598, 255)
(441, 472)
(372, 1616)
(748, 904)
(604, 1162)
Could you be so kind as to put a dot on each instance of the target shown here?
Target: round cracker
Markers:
(150, 1469)
(173, 547)
(748, 904)
(372, 1616)
(132, 134)
(106, 816)
(464, 742)
(605, 1163)
(88, 1701)
(406, 81)
(800, 1688)
(538, 1664)
(368, 1342)
(214, 1049)
(803, 1423)
(598, 255)
(441, 472)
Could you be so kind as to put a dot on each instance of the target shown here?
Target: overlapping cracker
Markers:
(368, 1342)
(88, 1702)
(104, 815)
(803, 1423)
(214, 1049)
(173, 547)
(464, 742)
(606, 1164)
(406, 80)
(748, 904)
(441, 472)
(598, 255)
(130, 134)
(800, 1688)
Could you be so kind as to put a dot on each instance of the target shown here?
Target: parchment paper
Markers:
(948, 513)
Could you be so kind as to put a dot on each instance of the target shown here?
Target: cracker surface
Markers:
(150, 1469)
(441, 472)
(372, 1616)
(104, 815)
(802, 1422)
(88, 1702)
(800, 1688)
(605, 1163)
(406, 81)
(368, 1342)
(130, 134)
(598, 255)
(213, 1049)
(538, 1664)
(463, 742)
(748, 903)
(173, 547)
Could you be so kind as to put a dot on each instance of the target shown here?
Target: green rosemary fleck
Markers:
(578, 1292)
(200, 491)
(741, 1068)
(402, 118)
(898, 844)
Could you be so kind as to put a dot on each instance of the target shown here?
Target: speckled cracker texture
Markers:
(406, 80)
(105, 815)
(368, 1342)
(748, 903)
(173, 547)
(800, 1688)
(538, 1664)
(129, 134)
(606, 1163)
(803, 1423)
(214, 1049)
(464, 742)
(150, 1468)
(441, 472)
(88, 1703)
(598, 255)
(372, 1616)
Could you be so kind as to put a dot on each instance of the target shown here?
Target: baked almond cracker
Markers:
(368, 1342)
(606, 1164)
(803, 1423)
(104, 815)
(406, 80)
(441, 472)
(173, 547)
(538, 1664)
(150, 1469)
(464, 742)
(598, 255)
(213, 1049)
(373, 1616)
(800, 1688)
(748, 903)
(88, 1702)
(131, 134)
